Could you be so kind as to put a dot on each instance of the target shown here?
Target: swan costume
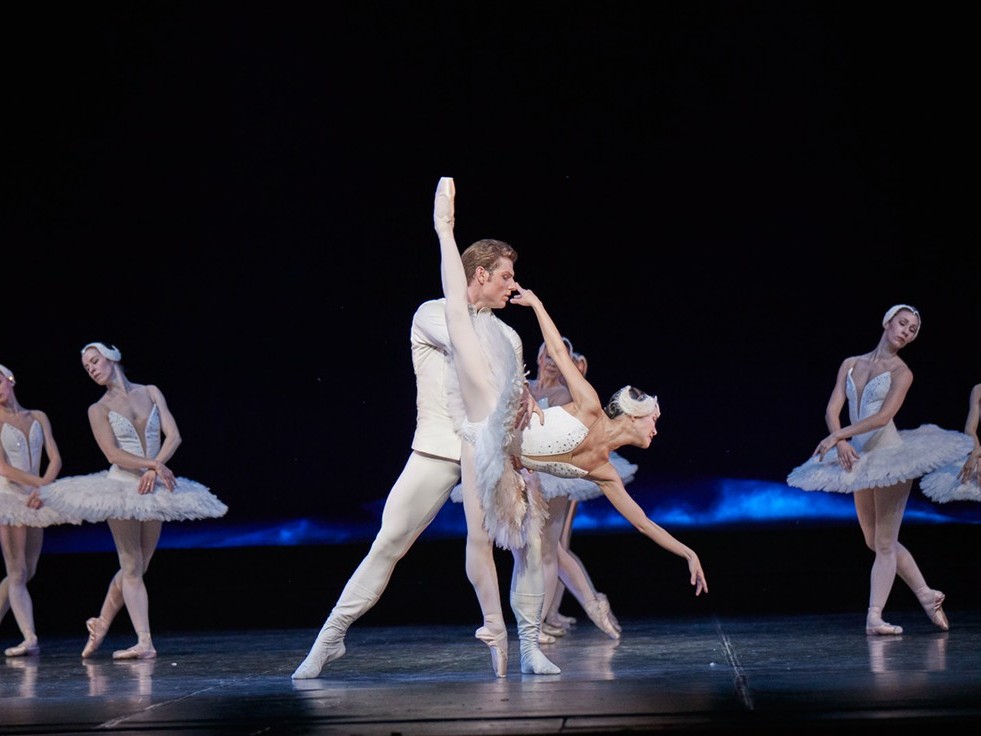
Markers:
(113, 494)
(887, 456)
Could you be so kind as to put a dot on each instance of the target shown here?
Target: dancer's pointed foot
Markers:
(328, 647)
(551, 632)
(875, 626)
(443, 207)
(559, 620)
(498, 644)
(613, 619)
(932, 602)
(24, 649)
(97, 632)
(139, 651)
(598, 611)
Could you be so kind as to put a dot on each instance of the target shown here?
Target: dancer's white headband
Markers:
(891, 312)
(110, 351)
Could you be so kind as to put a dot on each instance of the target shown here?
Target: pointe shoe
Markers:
(598, 611)
(558, 619)
(97, 632)
(498, 644)
(138, 651)
(875, 626)
(443, 207)
(328, 647)
(22, 650)
(550, 631)
(932, 602)
(613, 619)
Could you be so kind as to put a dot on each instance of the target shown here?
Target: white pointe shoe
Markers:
(328, 647)
(498, 645)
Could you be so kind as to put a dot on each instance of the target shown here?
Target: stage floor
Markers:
(788, 673)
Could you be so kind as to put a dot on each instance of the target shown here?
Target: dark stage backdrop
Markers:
(717, 201)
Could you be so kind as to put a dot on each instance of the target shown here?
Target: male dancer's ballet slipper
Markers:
(328, 646)
(498, 644)
(138, 651)
(875, 626)
(932, 602)
(22, 650)
(97, 632)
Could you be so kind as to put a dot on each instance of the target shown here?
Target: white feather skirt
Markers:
(15, 512)
(919, 451)
(113, 494)
(943, 484)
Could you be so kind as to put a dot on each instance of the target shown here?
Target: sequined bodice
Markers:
(871, 401)
(24, 453)
(128, 438)
(548, 447)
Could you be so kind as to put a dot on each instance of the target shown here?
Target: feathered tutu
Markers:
(944, 484)
(919, 451)
(580, 489)
(113, 494)
(513, 512)
(14, 510)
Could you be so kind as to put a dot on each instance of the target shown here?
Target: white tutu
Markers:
(513, 512)
(580, 489)
(577, 489)
(917, 452)
(943, 484)
(15, 512)
(113, 494)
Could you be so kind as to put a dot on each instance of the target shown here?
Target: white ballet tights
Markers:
(136, 541)
(420, 491)
(880, 514)
(21, 550)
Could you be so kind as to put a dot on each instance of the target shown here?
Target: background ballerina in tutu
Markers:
(961, 479)
(25, 439)
(871, 459)
(137, 433)
(564, 570)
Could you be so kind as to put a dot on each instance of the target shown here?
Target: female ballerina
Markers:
(877, 463)
(137, 433)
(25, 437)
(573, 440)
(961, 479)
(563, 569)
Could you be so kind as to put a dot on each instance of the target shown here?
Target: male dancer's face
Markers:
(494, 288)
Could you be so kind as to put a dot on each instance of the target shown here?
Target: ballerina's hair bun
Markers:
(633, 402)
(110, 351)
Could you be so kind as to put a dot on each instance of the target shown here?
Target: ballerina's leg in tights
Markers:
(480, 396)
